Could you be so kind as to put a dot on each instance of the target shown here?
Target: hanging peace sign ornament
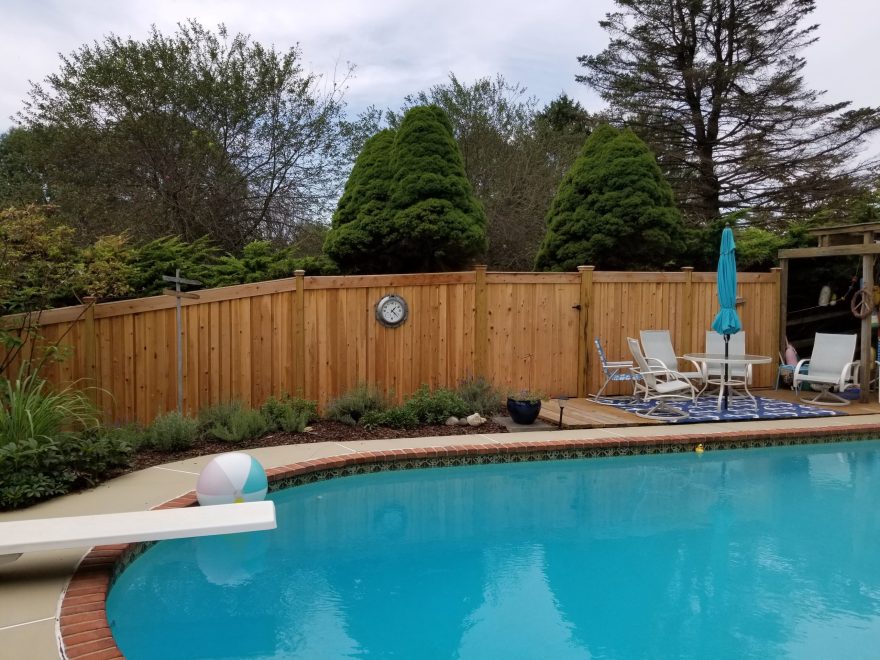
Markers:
(392, 311)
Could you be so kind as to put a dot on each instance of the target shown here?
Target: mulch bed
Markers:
(320, 431)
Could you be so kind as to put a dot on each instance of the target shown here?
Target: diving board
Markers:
(19, 536)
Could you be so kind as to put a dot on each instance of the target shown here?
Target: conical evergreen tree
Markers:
(613, 209)
(357, 236)
(437, 222)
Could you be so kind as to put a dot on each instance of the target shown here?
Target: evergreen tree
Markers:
(408, 205)
(613, 209)
(437, 223)
(357, 236)
(716, 88)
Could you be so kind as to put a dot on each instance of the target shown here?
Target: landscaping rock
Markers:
(452, 421)
(476, 420)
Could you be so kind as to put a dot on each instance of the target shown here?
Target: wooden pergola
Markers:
(860, 240)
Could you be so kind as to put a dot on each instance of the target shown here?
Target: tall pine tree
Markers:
(613, 209)
(716, 89)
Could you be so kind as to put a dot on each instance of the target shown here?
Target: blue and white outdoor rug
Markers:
(706, 410)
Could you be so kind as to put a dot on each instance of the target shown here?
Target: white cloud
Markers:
(401, 47)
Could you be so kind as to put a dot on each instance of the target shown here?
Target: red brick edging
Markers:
(85, 632)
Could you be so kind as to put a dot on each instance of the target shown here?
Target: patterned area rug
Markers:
(705, 410)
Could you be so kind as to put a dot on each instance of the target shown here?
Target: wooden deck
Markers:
(586, 414)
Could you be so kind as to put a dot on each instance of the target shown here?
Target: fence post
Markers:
(688, 320)
(481, 322)
(585, 331)
(782, 297)
(299, 334)
(777, 305)
(91, 349)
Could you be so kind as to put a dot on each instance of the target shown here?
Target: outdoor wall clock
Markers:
(391, 311)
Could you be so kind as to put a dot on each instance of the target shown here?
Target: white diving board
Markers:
(19, 536)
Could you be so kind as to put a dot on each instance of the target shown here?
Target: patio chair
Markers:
(614, 372)
(737, 374)
(659, 351)
(660, 384)
(830, 366)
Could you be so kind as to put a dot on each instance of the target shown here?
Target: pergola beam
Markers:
(860, 250)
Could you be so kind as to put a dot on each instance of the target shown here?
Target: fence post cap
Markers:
(582, 269)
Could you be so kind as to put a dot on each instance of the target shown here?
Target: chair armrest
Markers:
(849, 374)
(620, 364)
(698, 366)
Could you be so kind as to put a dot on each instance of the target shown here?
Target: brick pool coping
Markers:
(83, 629)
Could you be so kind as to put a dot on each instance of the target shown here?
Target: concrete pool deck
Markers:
(31, 587)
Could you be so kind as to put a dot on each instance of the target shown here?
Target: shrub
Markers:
(30, 411)
(437, 406)
(353, 405)
(479, 395)
(172, 432)
(33, 470)
(398, 417)
(288, 413)
(232, 422)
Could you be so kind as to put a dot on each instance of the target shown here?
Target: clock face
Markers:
(391, 311)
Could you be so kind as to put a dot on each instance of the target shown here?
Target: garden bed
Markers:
(320, 431)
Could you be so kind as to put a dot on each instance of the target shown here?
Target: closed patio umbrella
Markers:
(727, 320)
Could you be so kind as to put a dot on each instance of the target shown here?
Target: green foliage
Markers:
(288, 414)
(408, 206)
(36, 264)
(530, 396)
(195, 133)
(613, 209)
(718, 91)
(30, 411)
(361, 223)
(435, 407)
(33, 470)
(479, 395)
(396, 417)
(232, 422)
(355, 404)
(163, 256)
(172, 432)
(50, 442)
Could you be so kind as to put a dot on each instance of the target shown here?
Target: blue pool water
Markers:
(764, 553)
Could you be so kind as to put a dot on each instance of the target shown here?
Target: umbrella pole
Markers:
(726, 367)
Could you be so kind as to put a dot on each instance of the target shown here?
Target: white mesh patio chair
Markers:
(615, 372)
(661, 385)
(831, 366)
(738, 374)
(659, 351)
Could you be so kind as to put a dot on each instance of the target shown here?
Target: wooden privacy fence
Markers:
(319, 337)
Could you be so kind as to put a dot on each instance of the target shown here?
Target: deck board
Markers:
(586, 414)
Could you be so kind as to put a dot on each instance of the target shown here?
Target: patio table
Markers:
(731, 360)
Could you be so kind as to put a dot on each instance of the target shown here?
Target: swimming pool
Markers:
(742, 553)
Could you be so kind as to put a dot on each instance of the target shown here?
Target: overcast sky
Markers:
(402, 47)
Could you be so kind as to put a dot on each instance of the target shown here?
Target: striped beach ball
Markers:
(232, 477)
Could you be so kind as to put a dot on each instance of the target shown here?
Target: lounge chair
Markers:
(659, 352)
(20, 536)
(660, 384)
(830, 366)
(614, 372)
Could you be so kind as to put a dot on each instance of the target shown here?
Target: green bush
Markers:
(33, 470)
(232, 422)
(436, 407)
(398, 417)
(353, 405)
(288, 413)
(29, 410)
(479, 395)
(172, 432)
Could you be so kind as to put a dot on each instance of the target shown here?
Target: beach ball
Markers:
(232, 477)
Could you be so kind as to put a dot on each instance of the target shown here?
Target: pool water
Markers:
(762, 553)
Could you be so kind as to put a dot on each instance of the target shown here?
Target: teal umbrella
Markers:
(727, 320)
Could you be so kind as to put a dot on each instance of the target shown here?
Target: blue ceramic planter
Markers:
(523, 412)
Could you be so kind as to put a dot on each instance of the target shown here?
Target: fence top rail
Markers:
(156, 303)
